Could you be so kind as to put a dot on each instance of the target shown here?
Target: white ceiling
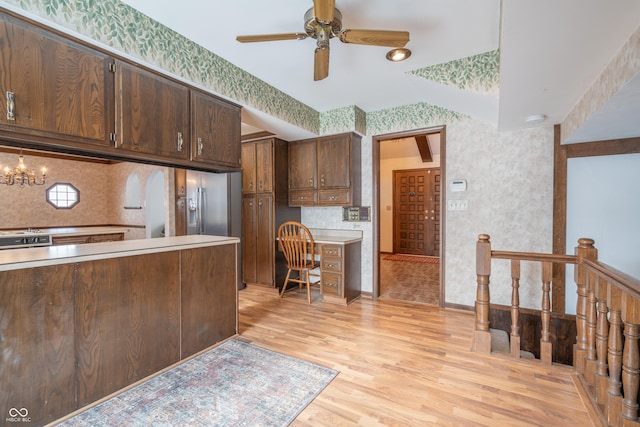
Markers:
(551, 52)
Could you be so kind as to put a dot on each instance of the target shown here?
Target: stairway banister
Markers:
(623, 281)
(532, 256)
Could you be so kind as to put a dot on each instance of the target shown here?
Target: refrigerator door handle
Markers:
(202, 215)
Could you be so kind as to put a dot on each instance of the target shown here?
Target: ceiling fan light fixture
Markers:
(398, 54)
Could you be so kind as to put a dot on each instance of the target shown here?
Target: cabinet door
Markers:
(302, 165)
(37, 363)
(52, 87)
(264, 166)
(128, 321)
(266, 240)
(249, 239)
(249, 168)
(152, 113)
(208, 313)
(216, 131)
(334, 162)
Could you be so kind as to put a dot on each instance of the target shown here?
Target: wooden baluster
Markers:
(482, 337)
(630, 357)
(614, 352)
(602, 336)
(590, 354)
(545, 342)
(584, 250)
(515, 308)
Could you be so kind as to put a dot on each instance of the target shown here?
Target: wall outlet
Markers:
(457, 205)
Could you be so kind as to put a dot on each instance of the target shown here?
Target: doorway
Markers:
(415, 218)
(155, 205)
(408, 226)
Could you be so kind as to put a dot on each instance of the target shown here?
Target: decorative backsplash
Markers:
(125, 29)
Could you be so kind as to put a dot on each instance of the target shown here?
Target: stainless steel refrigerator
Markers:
(214, 206)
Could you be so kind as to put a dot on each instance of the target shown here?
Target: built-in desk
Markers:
(340, 264)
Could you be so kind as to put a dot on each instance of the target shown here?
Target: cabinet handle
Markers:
(260, 184)
(11, 106)
(200, 146)
(322, 180)
(260, 203)
(180, 141)
(332, 197)
(311, 181)
(251, 185)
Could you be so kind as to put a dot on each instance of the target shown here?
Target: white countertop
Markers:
(14, 259)
(83, 231)
(335, 236)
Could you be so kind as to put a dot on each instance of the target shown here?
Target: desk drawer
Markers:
(331, 265)
(331, 284)
(331, 251)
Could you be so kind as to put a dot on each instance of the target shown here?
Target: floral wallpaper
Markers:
(478, 73)
(124, 29)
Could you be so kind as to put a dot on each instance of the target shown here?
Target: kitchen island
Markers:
(81, 322)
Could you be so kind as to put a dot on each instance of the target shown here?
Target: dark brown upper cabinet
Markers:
(152, 113)
(325, 171)
(216, 131)
(53, 89)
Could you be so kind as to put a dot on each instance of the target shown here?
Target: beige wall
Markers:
(102, 195)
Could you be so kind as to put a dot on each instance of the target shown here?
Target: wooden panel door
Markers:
(216, 131)
(264, 166)
(124, 294)
(414, 208)
(248, 152)
(152, 113)
(60, 89)
(265, 240)
(209, 306)
(37, 361)
(249, 239)
(302, 165)
(334, 162)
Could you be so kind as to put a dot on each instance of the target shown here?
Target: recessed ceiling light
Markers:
(535, 118)
(399, 54)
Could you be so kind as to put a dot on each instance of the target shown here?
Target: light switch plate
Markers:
(457, 205)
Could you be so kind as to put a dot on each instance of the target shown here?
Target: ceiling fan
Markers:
(323, 22)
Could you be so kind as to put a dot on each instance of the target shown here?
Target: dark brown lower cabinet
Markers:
(71, 334)
(209, 312)
(127, 320)
(37, 360)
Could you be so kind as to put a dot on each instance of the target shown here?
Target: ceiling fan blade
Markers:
(321, 63)
(375, 37)
(323, 10)
(271, 37)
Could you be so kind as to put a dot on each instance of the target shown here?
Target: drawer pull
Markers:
(331, 284)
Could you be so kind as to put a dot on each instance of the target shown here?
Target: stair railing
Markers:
(606, 355)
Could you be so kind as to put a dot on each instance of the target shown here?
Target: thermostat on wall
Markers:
(459, 185)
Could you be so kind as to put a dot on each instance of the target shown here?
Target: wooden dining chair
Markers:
(296, 242)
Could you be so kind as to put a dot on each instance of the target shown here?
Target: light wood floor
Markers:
(405, 364)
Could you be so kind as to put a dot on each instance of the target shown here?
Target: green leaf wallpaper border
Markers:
(478, 73)
(124, 29)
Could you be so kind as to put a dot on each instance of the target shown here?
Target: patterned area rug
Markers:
(414, 258)
(234, 384)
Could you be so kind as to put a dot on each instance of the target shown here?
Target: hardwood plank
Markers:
(404, 364)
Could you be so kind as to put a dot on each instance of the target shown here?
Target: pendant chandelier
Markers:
(21, 175)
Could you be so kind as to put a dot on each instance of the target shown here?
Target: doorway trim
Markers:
(375, 141)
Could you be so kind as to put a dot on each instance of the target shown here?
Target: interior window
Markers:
(63, 195)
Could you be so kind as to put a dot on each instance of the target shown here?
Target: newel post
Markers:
(584, 250)
(482, 335)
